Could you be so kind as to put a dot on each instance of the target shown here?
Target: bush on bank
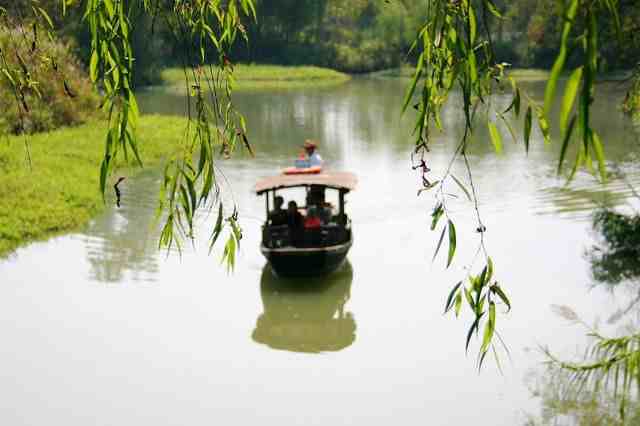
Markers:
(51, 64)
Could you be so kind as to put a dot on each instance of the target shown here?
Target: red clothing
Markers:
(312, 222)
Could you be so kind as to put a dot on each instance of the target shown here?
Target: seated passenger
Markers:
(316, 201)
(315, 160)
(325, 212)
(277, 216)
(312, 220)
(294, 218)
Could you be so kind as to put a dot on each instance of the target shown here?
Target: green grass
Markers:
(258, 77)
(528, 74)
(60, 191)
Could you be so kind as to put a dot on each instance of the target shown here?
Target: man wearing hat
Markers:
(314, 158)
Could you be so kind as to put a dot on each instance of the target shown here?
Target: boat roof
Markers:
(336, 180)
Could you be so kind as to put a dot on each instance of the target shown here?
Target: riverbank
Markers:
(257, 77)
(408, 71)
(60, 191)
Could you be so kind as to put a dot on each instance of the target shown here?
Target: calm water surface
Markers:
(100, 328)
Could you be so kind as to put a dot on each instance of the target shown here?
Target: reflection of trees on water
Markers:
(617, 258)
(121, 241)
(563, 403)
(306, 314)
(615, 261)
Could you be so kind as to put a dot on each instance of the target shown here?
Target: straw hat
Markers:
(310, 144)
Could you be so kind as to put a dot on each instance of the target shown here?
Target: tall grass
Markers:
(60, 191)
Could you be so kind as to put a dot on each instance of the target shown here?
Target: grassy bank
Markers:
(256, 77)
(60, 191)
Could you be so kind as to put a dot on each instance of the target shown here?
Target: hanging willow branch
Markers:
(455, 52)
(190, 181)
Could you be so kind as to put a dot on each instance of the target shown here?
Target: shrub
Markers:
(57, 91)
(631, 103)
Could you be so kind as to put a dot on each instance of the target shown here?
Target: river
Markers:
(101, 328)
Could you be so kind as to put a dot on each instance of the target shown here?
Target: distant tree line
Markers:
(359, 36)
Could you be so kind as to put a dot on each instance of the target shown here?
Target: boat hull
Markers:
(299, 262)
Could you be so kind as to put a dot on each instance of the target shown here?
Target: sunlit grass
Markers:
(528, 74)
(256, 77)
(60, 191)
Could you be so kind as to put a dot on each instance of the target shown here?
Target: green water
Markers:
(101, 328)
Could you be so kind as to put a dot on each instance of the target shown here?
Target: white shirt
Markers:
(315, 159)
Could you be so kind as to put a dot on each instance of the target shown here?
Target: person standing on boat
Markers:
(315, 160)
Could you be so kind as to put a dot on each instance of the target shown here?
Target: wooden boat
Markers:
(302, 251)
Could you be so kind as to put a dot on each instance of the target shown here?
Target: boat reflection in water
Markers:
(306, 314)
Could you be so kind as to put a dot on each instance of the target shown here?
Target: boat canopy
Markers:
(336, 180)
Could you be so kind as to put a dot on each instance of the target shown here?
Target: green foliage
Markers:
(50, 83)
(200, 26)
(353, 36)
(453, 54)
(59, 192)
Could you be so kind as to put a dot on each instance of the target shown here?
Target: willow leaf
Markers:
(489, 328)
(412, 88)
(569, 97)
(217, 229)
(599, 151)
(527, 128)
(501, 294)
(496, 139)
(473, 327)
(550, 90)
(565, 142)
(492, 8)
(436, 215)
(439, 243)
(458, 304)
(452, 242)
(93, 66)
(450, 298)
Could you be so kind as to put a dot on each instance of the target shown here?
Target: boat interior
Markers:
(334, 227)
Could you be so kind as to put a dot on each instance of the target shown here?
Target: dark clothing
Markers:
(295, 220)
(278, 217)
